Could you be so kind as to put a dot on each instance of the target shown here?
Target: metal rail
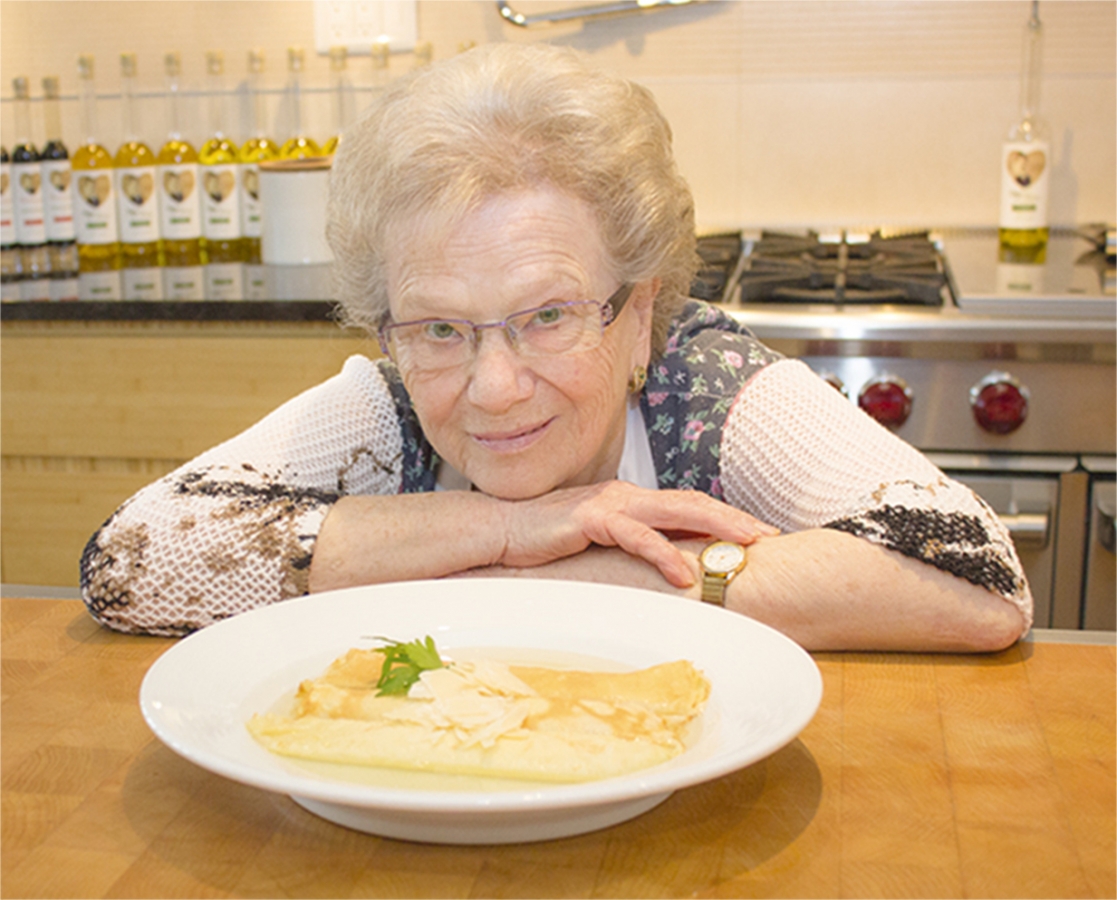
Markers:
(624, 7)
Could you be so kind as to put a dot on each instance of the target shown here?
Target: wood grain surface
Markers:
(920, 776)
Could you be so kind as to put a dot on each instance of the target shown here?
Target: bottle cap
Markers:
(256, 60)
(295, 59)
(19, 85)
(85, 66)
(338, 58)
(50, 87)
(128, 65)
(215, 62)
(172, 61)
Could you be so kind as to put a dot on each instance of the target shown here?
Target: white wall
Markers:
(786, 112)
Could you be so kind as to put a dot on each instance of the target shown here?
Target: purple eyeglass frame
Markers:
(610, 309)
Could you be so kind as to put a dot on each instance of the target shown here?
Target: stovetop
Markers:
(947, 273)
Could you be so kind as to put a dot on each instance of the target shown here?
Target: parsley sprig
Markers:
(404, 663)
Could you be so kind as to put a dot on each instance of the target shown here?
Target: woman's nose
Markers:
(498, 376)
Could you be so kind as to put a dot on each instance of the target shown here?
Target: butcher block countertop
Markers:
(920, 776)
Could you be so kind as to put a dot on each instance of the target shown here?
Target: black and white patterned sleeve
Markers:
(799, 455)
(235, 528)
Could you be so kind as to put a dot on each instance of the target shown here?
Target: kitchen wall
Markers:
(821, 112)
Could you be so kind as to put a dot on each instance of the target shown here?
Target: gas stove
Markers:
(1001, 367)
(949, 271)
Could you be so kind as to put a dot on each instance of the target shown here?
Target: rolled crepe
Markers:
(485, 718)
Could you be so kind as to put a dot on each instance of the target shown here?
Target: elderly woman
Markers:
(512, 227)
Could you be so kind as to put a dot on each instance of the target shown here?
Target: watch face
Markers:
(723, 556)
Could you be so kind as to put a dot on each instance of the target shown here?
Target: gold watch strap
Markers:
(713, 588)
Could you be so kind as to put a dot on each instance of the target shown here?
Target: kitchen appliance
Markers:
(1001, 369)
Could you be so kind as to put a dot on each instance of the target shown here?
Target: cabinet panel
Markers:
(151, 397)
(90, 416)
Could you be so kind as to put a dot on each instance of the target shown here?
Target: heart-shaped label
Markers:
(94, 190)
(178, 185)
(30, 182)
(60, 179)
(252, 183)
(1025, 168)
(220, 185)
(138, 188)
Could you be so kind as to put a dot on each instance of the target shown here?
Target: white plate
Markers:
(198, 696)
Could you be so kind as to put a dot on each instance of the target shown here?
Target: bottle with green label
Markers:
(27, 196)
(58, 197)
(180, 207)
(221, 220)
(137, 197)
(93, 185)
(258, 148)
(1026, 154)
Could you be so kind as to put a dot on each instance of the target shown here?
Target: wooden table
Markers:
(921, 775)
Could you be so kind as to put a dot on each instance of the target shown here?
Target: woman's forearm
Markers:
(404, 537)
(828, 591)
(831, 591)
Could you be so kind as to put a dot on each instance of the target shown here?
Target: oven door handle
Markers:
(1104, 505)
(1029, 531)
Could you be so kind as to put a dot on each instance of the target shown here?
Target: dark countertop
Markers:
(170, 311)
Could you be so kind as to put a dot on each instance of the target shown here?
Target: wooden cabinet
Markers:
(92, 411)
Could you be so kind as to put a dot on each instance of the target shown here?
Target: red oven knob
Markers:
(999, 403)
(887, 399)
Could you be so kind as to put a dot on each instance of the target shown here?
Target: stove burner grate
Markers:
(787, 268)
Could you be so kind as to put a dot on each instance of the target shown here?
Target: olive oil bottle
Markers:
(258, 148)
(180, 208)
(1026, 154)
(11, 266)
(58, 197)
(27, 194)
(94, 187)
(137, 198)
(221, 225)
(299, 145)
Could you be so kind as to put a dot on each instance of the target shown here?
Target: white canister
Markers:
(293, 195)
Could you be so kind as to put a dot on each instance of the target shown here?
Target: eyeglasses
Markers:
(436, 345)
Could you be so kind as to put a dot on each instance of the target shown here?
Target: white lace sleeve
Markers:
(797, 454)
(235, 528)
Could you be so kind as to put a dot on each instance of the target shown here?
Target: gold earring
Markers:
(637, 380)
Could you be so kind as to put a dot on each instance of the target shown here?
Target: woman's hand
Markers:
(617, 514)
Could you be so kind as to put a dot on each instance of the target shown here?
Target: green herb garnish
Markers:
(404, 663)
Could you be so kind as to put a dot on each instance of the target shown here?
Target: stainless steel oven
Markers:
(1004, 373)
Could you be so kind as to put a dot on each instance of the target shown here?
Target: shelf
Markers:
(170, 311)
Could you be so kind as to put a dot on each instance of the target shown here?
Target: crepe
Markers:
(483, 717)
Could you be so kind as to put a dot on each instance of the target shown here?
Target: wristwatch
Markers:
(721, 562)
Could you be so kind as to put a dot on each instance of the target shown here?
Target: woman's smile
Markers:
(513, 440)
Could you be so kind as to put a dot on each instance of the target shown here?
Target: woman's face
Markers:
(519, 427)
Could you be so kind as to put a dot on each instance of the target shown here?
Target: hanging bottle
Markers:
(257, 148)
(138, 199)
(27, 194)
(341, 95)
(94, 194)
(299, 145)
(1026, 155)
(180, 208)
(58, 196)
(221, 225)
(11, 266)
